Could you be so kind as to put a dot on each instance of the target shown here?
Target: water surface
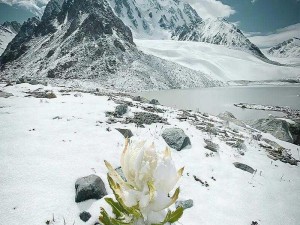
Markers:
(220, 99)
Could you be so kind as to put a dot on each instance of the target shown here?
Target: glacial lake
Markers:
(220, 99)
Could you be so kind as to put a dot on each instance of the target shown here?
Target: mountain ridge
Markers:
(83, 39)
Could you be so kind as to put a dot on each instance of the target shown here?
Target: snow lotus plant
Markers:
(143, 199)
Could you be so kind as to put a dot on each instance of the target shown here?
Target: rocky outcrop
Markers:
(228, 116)
(283, 129)
(176, 138)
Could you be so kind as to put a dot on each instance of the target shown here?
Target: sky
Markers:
(258, 19)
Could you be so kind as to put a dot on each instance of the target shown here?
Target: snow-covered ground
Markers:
(41, 158)
(218, 61)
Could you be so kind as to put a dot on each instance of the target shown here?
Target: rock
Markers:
(89, 187)
(85, 216)
(33, 82)
(154, 102)
(176, 138)
(211, 146)
(279, 128)
(185, 204)
(46, 94)
(244, 167)
(120, 110)
(125, 132)
(140, 99)
(228, 116)
(121, 173)
(141, 118)
(5, 94)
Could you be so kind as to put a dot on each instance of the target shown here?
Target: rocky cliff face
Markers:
(216, 31)
(154, 18)
(286, 49)
(83, 39)
(8, 31)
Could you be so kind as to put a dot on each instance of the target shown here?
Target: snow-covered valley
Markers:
(46, 144)
(219, 62)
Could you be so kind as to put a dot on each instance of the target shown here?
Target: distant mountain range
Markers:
(289, 48)
(83, 39)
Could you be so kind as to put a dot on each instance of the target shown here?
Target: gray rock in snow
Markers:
(85, 216)
(185, 204)
(244, 167)
(211, 146)
(121, 173)
(176, 138)
(89, 187)
(154, 102)
(5, 94)
(277, 127)
(120, 110)
(125, 132)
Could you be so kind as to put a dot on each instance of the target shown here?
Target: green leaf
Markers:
(118, 192)
(175, 215)
(104, 218)
(117, 208)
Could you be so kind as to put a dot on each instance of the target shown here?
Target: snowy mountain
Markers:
(83, 39)
(154, 18)
(289, 48)
(220, 62)
(8, 31)
(216, 31)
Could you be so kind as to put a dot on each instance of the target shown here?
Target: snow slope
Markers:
(218, 61)
(41, 158)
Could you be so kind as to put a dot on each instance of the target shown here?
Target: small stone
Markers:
(121, 173)
(121, 109)
(85, 216)
(244, 167)
(125, 132)
(154, 102)
(211, 146)
(185, 204)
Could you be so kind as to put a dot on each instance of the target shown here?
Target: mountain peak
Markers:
(84, 40)
(216, 31)
(286, 49)
(154, 18)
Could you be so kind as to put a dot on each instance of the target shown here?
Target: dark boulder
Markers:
(89, 187)
(176, 138)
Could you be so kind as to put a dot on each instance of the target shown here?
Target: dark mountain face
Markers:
(14, 26)
(85, 40)
(81, 19)
(17, 46)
